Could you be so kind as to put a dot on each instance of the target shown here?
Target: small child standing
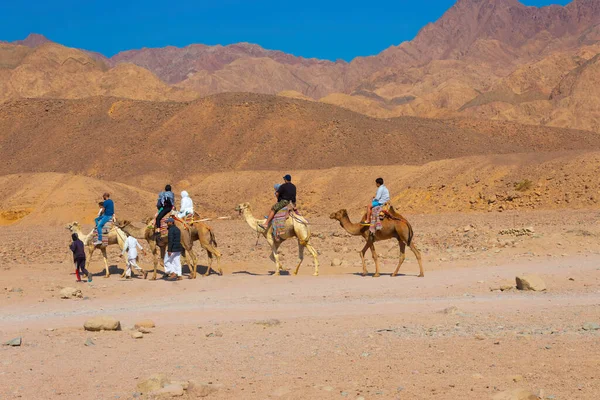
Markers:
(79, 257)
(131, 247)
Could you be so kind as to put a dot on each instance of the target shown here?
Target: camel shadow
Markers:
(249, 273)
(282, 273)
(112, 269)
(201, 270)
(373, 273)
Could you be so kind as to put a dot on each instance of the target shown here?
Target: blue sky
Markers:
(324, 29)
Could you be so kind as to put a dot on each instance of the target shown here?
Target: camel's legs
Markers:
(191, 256)
(300, 257)
(212, 251)
(376, 259)
(402, 256)
(314, 253)
(103, 250)
(362, 258)
(275, 248)
(89, 258)
(417, 254)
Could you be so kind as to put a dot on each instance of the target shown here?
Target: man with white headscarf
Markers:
(187, 205)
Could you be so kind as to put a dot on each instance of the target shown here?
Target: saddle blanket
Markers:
(375, 219)
(164, 229)
(105, 229)
(279, 222)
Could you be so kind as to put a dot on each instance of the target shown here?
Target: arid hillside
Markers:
(491, 59)
(496, 183)
(119, 139)
(49, 70)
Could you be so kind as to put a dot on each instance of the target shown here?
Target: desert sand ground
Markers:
(251, 335)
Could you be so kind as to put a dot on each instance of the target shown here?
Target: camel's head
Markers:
(73, 226)
(148, 220)
(122, 223)
(338, 215)
(240, 208)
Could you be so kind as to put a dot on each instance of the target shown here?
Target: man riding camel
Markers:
(165, 204)
(382, 196)
(286, 194)
(106, 214)
(187, 205)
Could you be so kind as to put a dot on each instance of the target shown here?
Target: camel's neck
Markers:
(253, 222)
(83, 237)
(138, 233)
(350, 227)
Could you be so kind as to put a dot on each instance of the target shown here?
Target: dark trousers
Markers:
(80, 266)
(161, 214)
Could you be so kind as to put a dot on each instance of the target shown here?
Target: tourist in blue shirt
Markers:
(106, 214)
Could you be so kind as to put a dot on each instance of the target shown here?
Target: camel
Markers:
(295, 226)
(199, 231)
(115, 236)
(398, 228)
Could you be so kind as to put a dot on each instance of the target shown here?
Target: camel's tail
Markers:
(213, 240)
(299, 218)
(410, 233)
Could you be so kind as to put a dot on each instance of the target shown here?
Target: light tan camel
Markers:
(201, 232)
(115, 236)
(398, 228)
(295, 226)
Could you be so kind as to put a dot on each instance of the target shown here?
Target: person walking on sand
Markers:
(79, 257)
(173, 256)
(131, 248)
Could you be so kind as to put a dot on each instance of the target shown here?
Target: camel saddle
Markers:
(105, 230)
(164, 229)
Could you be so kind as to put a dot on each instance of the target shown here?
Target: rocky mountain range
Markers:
(492, 59)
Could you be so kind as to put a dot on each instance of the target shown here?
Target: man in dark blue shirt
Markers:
(107, 214)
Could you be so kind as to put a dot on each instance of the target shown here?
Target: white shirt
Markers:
(382, 195)
(131, 246)
(187, 205)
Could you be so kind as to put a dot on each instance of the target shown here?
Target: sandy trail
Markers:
(337, 335)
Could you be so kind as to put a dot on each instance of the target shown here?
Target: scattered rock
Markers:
(137, 335)
(153, 383)
(480, 336)
(146, 323)
(144, 330)
(336, 262)
(169, 390)
(16, 290)
(591, 326)
(14, 342)
(216, 333)
(89, 342)
(268, 322)
(451, 310)
(516, 394)
(516, 378)
(205, 390)
(530, 282)
(69, 293)
(102, 323)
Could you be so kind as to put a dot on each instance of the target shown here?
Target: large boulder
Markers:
(145, 323)
(69, 293)
(530, 282)
(102, 323)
